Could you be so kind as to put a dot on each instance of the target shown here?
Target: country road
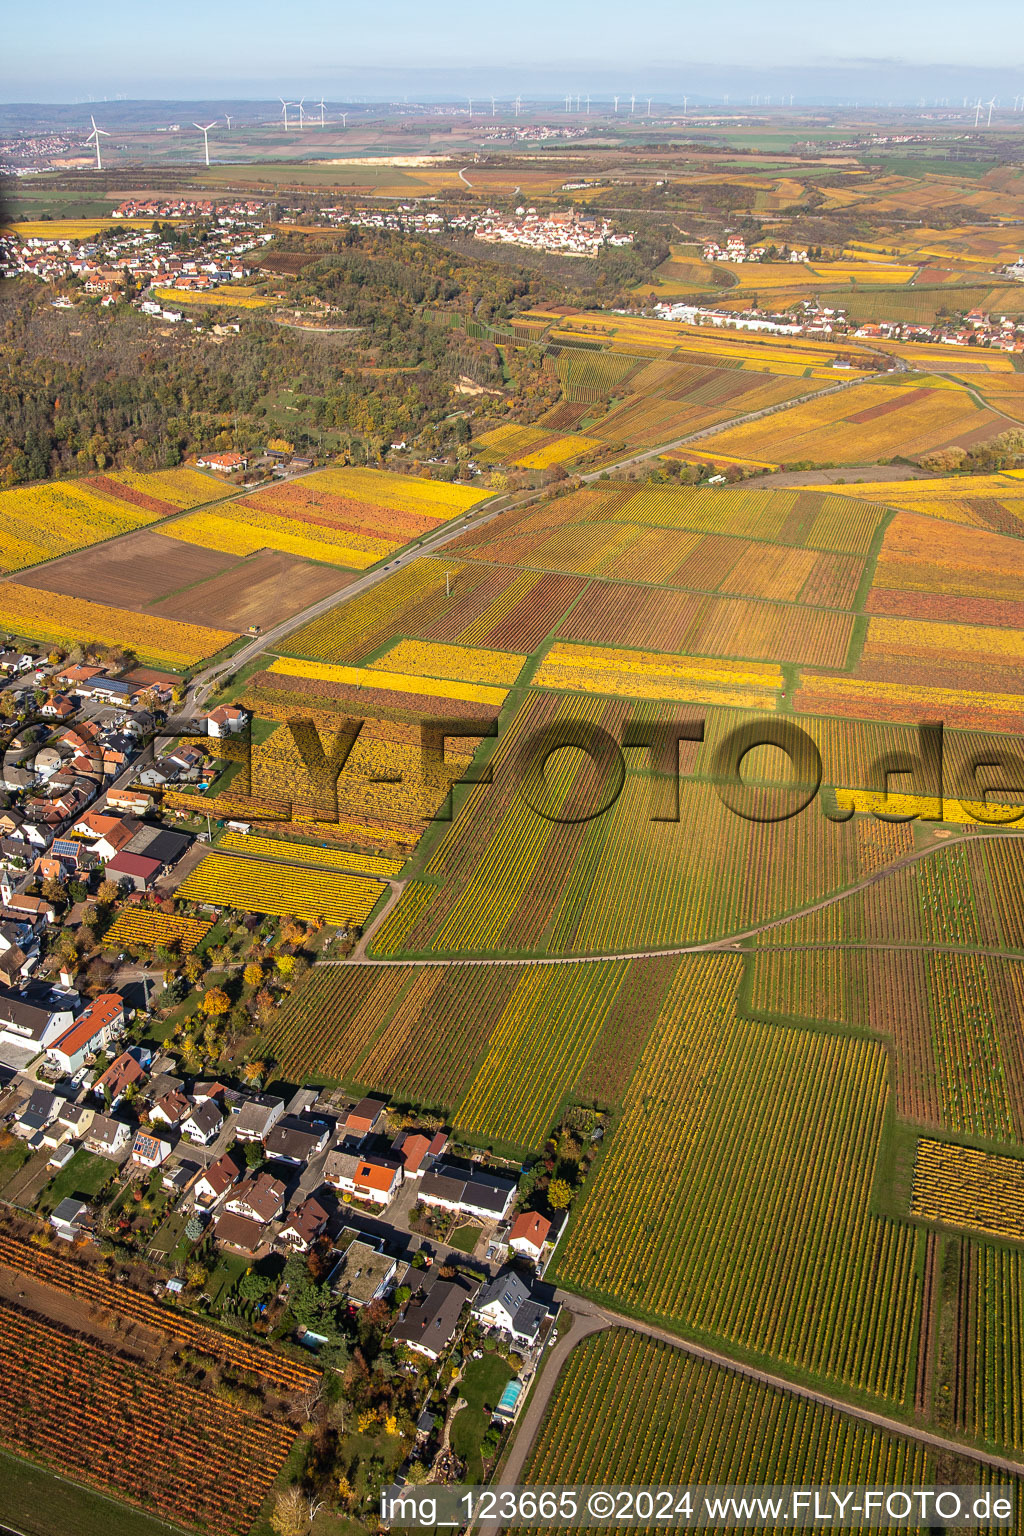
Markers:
(206, 679)
(589, 1318)
(728, 942)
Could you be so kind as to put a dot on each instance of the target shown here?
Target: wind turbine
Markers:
(632, 105)
(344, 119)
(206, 136)
(284, 113)
(616, 100)
(990, 106)
(648, 106)
(94, 138)
(302, 115)
(588, 105)
(323, 108)
(977, 112)
(492, 107)
(228, 121)
(470, 100)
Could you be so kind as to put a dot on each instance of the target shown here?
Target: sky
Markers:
(195, 48)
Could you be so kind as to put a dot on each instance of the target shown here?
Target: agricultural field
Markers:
(629, 1409)
(24, 610)
(157, 1443)
(962, 1187)
(93, 1289)
(755, 1129)
(227, 296)
(305, 853)
(252, 885)
(145, 928)
(863, 425)
(195, 585)
(347, 517)
(533, 448)
(496, 1048)
(41, 522)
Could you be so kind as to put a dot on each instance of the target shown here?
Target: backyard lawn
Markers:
(482, 1384)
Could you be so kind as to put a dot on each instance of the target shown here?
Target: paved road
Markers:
(590, 1318)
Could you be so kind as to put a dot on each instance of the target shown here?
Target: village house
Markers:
(223, 463)
(107, 1136)
(375, 1179)
(213, 1184)
(257, 1117)
(417, 1153)
(364, 1118)
(506, 1304)
(303, 1226)
(94, 1030)
(430, 1326)
(296, 1138)
(125, 1071)
(364, 1272)
(69, 1218)
(149, 1151)
(170, 1109)
(473, 1192)
(202, 1122)
(226, 720)
(35, 1024)
(260, 1198)
(239, 1233)
(528, 1235)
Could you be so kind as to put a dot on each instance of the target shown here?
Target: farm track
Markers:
(589, 1318)
(732, 941)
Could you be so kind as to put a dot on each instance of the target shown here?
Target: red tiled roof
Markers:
(530, 1227)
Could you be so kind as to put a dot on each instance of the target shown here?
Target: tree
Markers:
(194, 969)
(196, 1274)
(107, 893)
(216, 1002)
(253, 1072)
(559, 1194)
(285, 965)
(253, 973)
(290, 1515)
(254, 1287)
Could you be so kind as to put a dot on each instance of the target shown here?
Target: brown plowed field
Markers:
(262, 589)
(148, 573)
(131, 572)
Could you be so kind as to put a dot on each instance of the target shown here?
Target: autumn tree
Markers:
(559, 1194)
(216, 1002)
(290, 1516)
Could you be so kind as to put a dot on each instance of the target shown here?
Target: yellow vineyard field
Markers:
(430, 498)
(458, 663)
(243, 531)
(395, 682)
(962, 1187)
(224, 297)
(142, 926)
(247, 885)
(305, 853)
(70, 620)
(647, 675)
